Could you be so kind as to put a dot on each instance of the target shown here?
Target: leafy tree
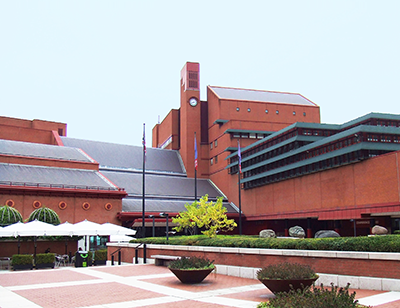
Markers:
(9, 215)
(207, 214)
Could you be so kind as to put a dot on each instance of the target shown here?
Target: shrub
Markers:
(22, 260)
(45, 258)
(9, 215)
(387, 243)
(314, 298)
(46, 215)
(191, 263)
(286, 271)
(100, 255)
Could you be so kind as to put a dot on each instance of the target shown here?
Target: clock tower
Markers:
(190, 112)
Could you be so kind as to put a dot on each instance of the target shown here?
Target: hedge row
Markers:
(387, 243)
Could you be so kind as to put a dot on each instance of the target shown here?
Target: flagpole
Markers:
(143, 183)
(240, 193)
(195, 167)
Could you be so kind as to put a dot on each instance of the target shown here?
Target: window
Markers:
(252, 135)
(277, 112)
(215, 143)
(294, 112)
(248, 109)
(212, 161)
(211, 146)
(237, 108)
(216, 159)
(266, 110)
(304, 114)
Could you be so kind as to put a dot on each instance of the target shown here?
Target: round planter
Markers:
(282, 285)
(191, 276)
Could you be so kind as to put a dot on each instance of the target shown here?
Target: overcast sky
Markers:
(107, 67)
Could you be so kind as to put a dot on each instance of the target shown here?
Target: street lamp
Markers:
(166, 216)
(154, 229)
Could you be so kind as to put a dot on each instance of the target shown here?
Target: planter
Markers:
(282, 285)
(100, 262)
(190, 276)
(44, 265)
(17, 267)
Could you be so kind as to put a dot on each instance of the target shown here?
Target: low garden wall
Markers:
(366, 270)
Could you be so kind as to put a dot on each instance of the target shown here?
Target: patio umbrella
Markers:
(12, 230)
(36, 228)
(64, 229)
(112, 229)
(86, 227)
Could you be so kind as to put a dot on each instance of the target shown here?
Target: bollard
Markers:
(144, 254)
(136, 256)
(119, 257)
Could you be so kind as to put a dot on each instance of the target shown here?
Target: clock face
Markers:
(193, 101)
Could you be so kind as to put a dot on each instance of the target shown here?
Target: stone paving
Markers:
(144, 285)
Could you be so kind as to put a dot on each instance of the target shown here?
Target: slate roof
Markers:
(52, 177)
(119, 156)
(162, 185)
(17, 148)
(261, 96)
(158, 206)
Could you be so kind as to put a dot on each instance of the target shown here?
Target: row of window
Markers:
(267, 111)
(314, 167)
(327, 148)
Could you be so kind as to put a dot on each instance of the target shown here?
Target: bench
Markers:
(163, 260)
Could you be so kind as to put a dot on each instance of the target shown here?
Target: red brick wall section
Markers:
(338, 266)
(74, 212)
(374, 181)
(9, 248)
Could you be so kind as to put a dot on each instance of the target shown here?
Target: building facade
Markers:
(295, 170)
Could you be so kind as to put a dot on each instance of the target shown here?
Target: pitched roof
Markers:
(157, 205)
(24, 175)
(119, 156)
(162, 186)
(17, 148)
(261, 96)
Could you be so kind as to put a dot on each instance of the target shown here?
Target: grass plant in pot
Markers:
(100, 257)
(286, 276)
(191, 269)
(45, 260)
(22, 262)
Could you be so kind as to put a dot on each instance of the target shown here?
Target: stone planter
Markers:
(191, 276)
(100, 262)
(44, 265)
(18, 267)
(282, 285)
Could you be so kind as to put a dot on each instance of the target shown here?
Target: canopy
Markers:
(38, 228)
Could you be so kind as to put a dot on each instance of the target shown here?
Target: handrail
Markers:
(137, 253)
(119, 256)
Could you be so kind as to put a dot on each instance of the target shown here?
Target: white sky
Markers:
(107, 67)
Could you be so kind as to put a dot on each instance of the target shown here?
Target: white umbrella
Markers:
(86, 227)
(35, 228)
(12, 230)
(112, 229)
(64, 229)
(5, 233)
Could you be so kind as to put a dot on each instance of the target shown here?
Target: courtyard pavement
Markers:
(144, 285)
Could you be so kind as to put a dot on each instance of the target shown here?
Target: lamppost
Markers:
(154, 228)
(166, 216)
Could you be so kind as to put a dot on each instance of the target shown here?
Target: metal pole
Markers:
(143, 184)
(167, 227)
(240, 206)
(154, 227)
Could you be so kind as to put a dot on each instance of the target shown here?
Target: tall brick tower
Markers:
(190, 115)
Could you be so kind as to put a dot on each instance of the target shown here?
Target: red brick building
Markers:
(296, 171)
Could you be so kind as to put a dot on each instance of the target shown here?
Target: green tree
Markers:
(207, 214)
(9, 215)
